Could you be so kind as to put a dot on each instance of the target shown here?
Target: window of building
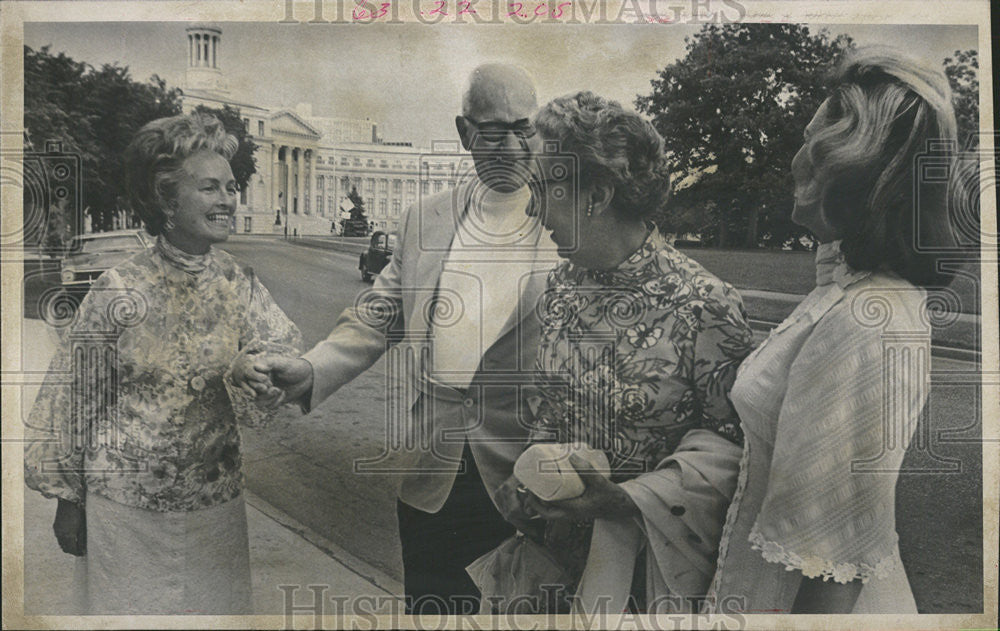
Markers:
(247, 224)
(411, 187)
(438, 185)
(243, 194)
(369, 185)
(319, 205)
(395, 207)
(343, 161)
(383, 186)
(381, 207)
(397, 187)
(384, 164)
(260, 128)
(246, 125)
(425, 187)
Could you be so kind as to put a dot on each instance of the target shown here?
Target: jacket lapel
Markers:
(436, 231)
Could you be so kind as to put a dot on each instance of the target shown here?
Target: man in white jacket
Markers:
(455, 307)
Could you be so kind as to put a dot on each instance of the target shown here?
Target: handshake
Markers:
(272, 379)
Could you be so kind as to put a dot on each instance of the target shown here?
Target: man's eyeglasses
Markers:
(495, 132)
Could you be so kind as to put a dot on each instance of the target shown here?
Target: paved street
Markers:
(304, 465)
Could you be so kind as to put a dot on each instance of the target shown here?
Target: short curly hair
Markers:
(883, 110)
(154, 160)
(614, 146)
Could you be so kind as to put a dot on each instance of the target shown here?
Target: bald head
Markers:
(499, 92)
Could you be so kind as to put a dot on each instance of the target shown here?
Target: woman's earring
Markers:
(590, 208)
(168, 225)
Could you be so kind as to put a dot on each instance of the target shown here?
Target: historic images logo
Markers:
(519, 12)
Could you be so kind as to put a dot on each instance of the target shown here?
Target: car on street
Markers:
(95, 253)
(377, 255)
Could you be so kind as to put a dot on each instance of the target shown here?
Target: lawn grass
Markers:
(795, 272)
(769, 270)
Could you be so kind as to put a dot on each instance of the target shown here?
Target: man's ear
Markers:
(464, 132)
(601, 195)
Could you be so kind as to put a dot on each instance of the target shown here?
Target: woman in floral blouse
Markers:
(831, 399)
(135, 428)
(639, 348)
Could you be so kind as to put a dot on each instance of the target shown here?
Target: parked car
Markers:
(377, 255)
(93, 254)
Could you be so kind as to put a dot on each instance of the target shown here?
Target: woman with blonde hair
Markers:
(829, 402)
(135, 429)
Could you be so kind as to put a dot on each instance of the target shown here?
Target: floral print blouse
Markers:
(632, 358)
(137, 405)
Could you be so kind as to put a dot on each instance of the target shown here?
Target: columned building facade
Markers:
(307, 166)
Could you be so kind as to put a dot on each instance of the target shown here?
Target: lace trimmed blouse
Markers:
(828, 404)
(137, 405)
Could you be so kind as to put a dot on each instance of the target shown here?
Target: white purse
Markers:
(545, 470)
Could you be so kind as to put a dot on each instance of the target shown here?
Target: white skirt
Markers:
(148, 562)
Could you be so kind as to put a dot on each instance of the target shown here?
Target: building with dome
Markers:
(307, 165)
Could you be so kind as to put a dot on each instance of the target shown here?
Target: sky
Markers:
(409, 77)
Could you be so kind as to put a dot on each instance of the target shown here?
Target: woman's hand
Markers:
(510, 499)
(70, 527)
(601, 498)
(246, 376)
(293, 375)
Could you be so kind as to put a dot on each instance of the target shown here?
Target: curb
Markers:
(376, 577)
(323, 244)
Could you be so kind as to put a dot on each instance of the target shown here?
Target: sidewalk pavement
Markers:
(282, 551)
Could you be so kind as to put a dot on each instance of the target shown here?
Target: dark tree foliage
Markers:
(93, 113)
(732, 113)
(962, 71)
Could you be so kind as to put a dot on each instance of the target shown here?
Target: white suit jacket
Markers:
(425, 435)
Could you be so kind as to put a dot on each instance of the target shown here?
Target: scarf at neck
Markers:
(190, 263)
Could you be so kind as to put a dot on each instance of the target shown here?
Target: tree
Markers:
(93, 113)
(243, 163)
(732, 112)
(962, 71)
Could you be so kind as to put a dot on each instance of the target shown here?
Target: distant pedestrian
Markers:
(147, 466)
